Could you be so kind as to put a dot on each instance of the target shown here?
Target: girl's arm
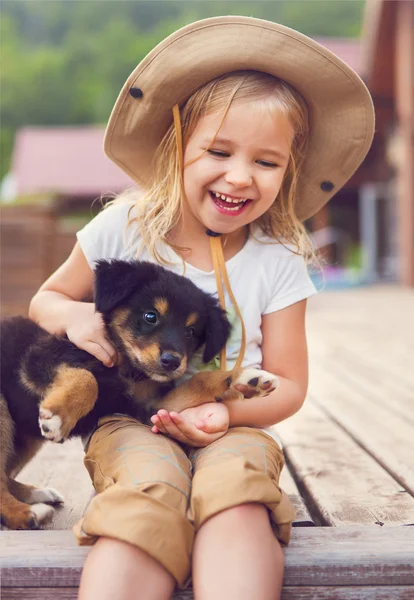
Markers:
(285, 354)
(59, 307)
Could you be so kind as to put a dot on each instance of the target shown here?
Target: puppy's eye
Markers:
(150, 317)
(189, 332)
(228, 382)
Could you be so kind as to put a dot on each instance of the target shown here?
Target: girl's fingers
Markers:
(169, 426)
(156, 421)
(189, 430)
(109, 349)
(100, 353)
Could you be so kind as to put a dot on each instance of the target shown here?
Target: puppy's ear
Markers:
(116, 280)
(217, 331)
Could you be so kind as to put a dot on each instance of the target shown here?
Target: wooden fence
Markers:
(33, 243)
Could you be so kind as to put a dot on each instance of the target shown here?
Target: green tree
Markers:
(64, 61)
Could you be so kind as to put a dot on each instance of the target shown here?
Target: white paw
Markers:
(50, 425)
(46, 495)
(255, 382)
(40, 513)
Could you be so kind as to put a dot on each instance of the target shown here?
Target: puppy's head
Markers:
(157, 319)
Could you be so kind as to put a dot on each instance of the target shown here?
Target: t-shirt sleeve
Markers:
(105, 237)
(291, 283)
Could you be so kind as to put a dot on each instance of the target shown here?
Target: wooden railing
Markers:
(32, 245)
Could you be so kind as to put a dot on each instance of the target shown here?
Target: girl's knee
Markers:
(238, 519)
(247, 511)
(140, 518)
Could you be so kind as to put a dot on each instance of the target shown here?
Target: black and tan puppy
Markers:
(53, 390)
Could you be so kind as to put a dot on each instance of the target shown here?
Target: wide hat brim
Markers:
(340, 106)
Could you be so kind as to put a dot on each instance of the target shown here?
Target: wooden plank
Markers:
(288, 593)
(317, 556)
(50, 593)
(348, 593)
(288, 485)
(342, 484)
(61, 466)
(385, 434)
(361, 371)
(393, 363)
(374, 323)
(362, 374)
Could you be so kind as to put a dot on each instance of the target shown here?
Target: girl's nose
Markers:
(239, 175)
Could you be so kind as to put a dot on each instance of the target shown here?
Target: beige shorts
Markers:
(155, 496)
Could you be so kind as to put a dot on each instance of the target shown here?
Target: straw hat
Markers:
(340, 106)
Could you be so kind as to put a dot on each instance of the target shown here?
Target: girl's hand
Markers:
(86, 330)
(197, 426)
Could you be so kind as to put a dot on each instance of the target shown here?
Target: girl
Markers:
(241, 128)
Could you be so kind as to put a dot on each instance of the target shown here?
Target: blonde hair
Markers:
(158, 211)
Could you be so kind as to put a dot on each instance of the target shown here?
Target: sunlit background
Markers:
(349, 449)
(62, 66)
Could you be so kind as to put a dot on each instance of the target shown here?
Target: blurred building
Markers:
(367, 227)
(388, 69)
(65, 162)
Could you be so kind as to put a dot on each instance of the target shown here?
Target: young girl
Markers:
(243, 128)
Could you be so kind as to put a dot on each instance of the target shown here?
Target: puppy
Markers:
(50, 389)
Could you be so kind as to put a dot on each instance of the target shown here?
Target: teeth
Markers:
(226, 199)
(230, 209)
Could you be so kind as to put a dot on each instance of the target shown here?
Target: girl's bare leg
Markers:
(236, 556)
(117, 570)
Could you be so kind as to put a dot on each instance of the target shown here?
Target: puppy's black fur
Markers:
(155, 319)
(150, 345)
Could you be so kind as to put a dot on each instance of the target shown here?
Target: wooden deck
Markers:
(350, 471)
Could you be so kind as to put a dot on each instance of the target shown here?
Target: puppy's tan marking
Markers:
(149, 355)
(206, 386)
(120, 318)
(191, 319)
(71, 396)
(118, 325)
(15, 513)
(19, 515)
(146, 391)
(161, 305)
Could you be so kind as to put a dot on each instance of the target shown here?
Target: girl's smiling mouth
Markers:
(229, 204)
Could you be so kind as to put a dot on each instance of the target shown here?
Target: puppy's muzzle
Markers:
(169, 361)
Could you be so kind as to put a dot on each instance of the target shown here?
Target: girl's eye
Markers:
(150, 317)
(189, 332)
(269, 165)
(219, 153)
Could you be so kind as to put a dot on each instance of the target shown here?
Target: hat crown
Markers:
(340, 106)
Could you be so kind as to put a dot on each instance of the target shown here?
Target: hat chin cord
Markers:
(217, 255)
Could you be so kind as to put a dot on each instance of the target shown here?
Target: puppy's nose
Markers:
(170, 362)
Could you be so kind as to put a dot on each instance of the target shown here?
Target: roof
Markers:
(348, 49)
(64, 160)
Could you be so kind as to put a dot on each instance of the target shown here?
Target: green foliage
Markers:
(64, 61)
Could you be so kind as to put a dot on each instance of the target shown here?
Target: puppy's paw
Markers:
(255, 382)
(45, 495)
(50, 425)
(39, 513)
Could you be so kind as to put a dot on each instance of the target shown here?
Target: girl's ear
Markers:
(217, 332)
(116, 280)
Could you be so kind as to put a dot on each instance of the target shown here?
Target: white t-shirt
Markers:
(264, 277)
